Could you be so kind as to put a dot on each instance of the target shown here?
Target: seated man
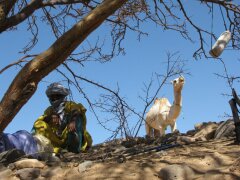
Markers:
(64, 122)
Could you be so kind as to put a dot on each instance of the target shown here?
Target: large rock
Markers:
(225, 129)
(177, 172)
(28, 173)
(206, 131)
(28, 163)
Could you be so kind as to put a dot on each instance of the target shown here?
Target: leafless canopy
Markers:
(60, 15)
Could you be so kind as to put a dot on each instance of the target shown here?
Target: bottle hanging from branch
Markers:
(220, 44)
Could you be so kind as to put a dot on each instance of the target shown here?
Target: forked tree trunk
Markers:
(25, 83)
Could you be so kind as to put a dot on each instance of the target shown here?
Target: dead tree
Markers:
(233, 103)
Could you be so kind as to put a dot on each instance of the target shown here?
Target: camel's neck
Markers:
(178, 98)
(176, 107)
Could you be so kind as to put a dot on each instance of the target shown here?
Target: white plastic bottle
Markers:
(220, 44)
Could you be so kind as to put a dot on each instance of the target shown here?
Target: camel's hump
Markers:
(162, 102)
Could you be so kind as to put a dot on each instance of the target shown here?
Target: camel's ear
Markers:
(182, 78)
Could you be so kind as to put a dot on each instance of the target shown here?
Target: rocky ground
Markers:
(207, 152)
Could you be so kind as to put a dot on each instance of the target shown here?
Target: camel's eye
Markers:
(174, 81)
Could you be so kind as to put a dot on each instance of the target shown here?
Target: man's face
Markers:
(56, 97)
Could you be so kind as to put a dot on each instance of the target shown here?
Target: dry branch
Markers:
(25, 83)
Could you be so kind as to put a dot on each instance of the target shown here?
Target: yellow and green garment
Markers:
(65, 139)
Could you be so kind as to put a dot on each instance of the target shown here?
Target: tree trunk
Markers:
(236, 119)
(25, 83)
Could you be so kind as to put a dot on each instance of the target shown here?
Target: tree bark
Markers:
(235, 97)
(5, 7)
(25, 83)
(236, 119)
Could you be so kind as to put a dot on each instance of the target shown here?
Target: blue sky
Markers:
(202, 94)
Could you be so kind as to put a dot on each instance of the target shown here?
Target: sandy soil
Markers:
(206, 160)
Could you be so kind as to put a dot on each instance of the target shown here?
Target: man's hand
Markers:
(72, 126)
(55, 119)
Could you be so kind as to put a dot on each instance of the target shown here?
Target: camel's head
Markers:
(178, 83)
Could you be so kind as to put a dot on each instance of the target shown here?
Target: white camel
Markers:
(162, 114)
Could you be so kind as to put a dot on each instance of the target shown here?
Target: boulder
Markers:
(28, 163)
(27, 173)
(177, 172)
(225, 129)
(206, 131)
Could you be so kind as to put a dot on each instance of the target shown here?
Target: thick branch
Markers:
(5, 7)
(228, 5)
(235, 96)
(62, 2)
(234, 109)
(21, 16)
(25, 83)
(30, 9)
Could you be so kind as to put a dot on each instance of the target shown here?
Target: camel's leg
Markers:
(148, 130)
(162, 131)
(156, 133)
(173, 127)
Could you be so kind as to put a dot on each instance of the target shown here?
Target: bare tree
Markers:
(71, 22)
(122, 113)
(234, 102)
(25, 83)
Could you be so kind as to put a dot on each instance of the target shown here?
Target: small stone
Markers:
(84, 166)
(198, 126)
(162, 153)
(53, 160)
(191, 132)
(121, 159)
(119, 149)
(185, 140)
